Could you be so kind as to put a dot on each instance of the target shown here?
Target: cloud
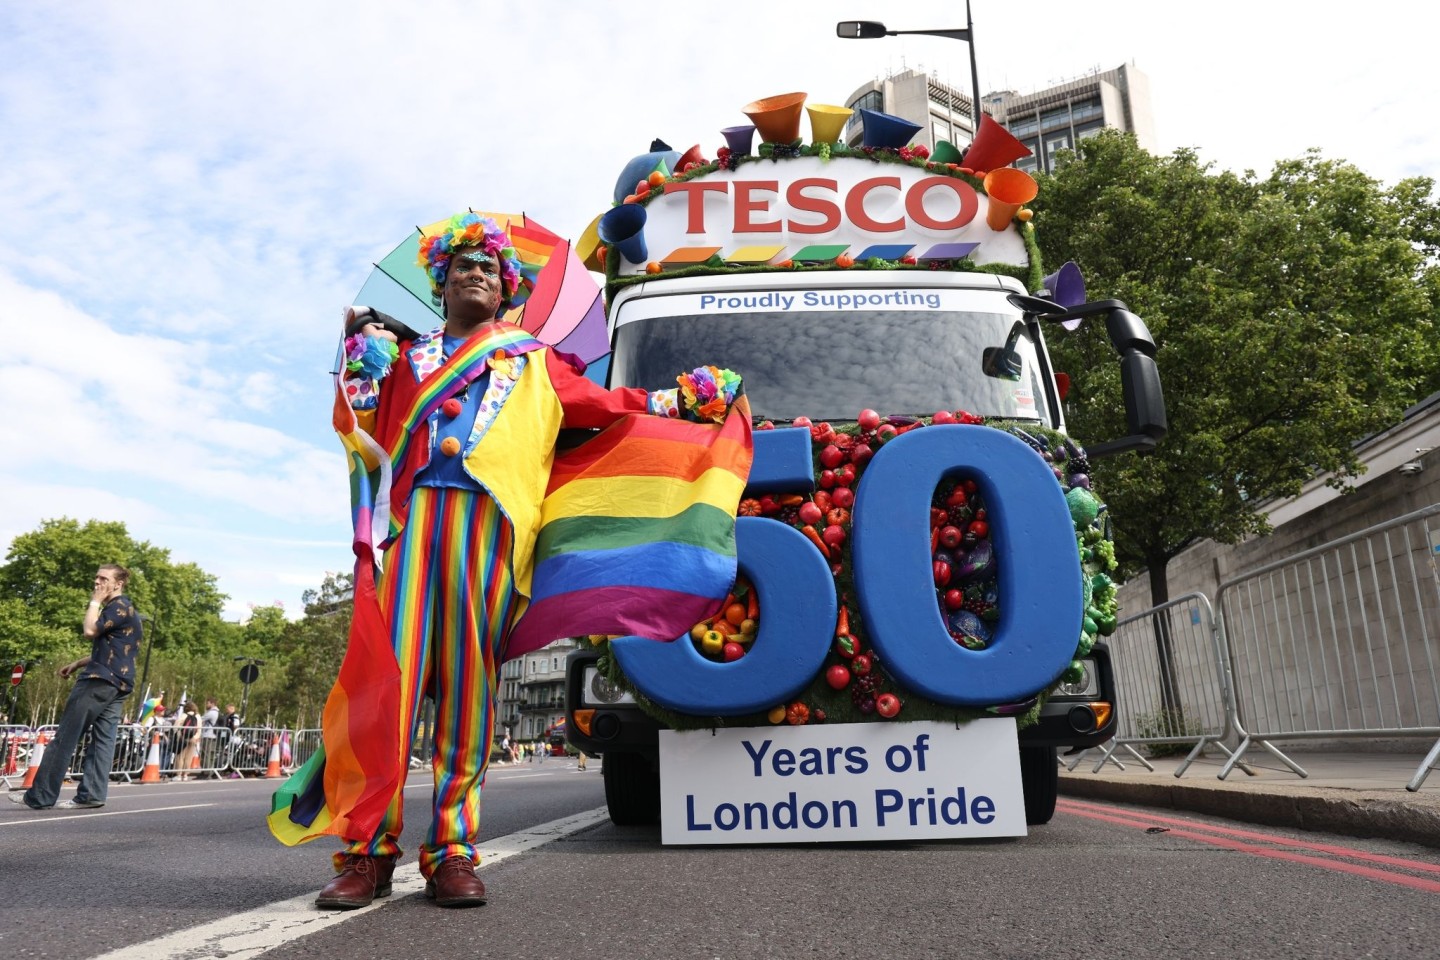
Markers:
(191, 193)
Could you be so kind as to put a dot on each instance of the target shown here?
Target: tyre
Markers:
(1040, 779)
(632, 789)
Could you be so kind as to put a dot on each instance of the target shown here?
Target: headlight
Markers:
(1086, 688)
(599, 689)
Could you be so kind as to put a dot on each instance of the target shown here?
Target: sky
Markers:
(190, 193)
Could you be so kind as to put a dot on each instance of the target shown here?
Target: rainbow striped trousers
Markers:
(447, 592)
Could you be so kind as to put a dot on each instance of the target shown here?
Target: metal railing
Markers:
(1341, 641)
(1172, 677)
(1338, 642)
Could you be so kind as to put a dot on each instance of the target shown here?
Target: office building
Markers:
(1048, 120)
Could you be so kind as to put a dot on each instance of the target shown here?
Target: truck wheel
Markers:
(632, 789)
(1040, 779)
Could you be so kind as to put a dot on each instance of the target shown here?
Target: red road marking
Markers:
(1370, 873)
(1075, 805)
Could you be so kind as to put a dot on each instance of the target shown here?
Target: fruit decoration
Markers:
(853, 684)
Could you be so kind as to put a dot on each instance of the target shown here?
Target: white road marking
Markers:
(89, 815)
(253, 932)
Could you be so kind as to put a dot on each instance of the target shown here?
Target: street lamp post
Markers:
(149, 629)
(873, 29)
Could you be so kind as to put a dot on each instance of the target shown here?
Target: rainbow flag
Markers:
(147, 709)
(637, 531)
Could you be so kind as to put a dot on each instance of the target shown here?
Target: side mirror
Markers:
(1145, 418)
(1003, 363)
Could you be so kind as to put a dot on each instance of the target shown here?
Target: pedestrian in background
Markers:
(209, 739)
(105, 678)
(187, 736)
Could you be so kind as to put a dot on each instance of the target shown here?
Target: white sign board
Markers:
(841, 782)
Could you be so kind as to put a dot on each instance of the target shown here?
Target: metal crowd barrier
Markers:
(1173, 687)
(1340, 641)
(250, 749)
(16, 742)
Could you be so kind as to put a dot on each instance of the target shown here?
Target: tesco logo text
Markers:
(751, 203)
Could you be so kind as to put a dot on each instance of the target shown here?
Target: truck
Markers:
(919, 539)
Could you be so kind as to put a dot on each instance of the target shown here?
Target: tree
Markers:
(1294, 316)
(314, 646)
(50, 571)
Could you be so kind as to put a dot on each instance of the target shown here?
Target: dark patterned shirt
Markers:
(113, 651)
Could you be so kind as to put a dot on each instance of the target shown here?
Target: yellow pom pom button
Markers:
(451, 408)
(450, 446)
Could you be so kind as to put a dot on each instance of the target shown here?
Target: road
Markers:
(188, 870)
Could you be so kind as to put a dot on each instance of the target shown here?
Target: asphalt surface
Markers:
(1346, 792)
(157, 872)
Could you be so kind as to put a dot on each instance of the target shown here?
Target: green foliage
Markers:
(1165, 723)
(314, 646)
(45, 584)
(1294, 315)
(50, 571)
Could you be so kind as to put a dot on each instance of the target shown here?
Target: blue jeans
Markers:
(91, 702)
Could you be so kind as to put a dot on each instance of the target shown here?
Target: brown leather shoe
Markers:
(361, 880)
(454, 884)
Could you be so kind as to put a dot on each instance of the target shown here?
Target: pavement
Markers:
(1359, 794)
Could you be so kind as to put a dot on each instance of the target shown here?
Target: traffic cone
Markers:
(272, 767)
(37, 753)
(151, 773)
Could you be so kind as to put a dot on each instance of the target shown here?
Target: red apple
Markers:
(842, 497)
(810, 513)
(801, 422)
(887, 705)
(860, 454)
(942, 573)
(980, 528)
(831, 456)
(954, 599)
(827, 480)
(732, 651)
(868, 420)
(834, 535)
(950, 537)
(957, 497)
(838, 676)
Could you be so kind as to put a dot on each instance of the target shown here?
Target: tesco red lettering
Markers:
(746, 205)
(751, 207)
(855, 206)
(829, 209)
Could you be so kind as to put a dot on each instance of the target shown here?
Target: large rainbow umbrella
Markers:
(564, 309)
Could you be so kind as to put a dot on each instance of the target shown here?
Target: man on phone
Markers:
(105, 679)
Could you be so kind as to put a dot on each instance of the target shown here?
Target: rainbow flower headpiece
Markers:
(472, 230)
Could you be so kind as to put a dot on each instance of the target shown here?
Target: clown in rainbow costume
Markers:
(475, 543)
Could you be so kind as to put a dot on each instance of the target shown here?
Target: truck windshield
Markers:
(830, 364)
